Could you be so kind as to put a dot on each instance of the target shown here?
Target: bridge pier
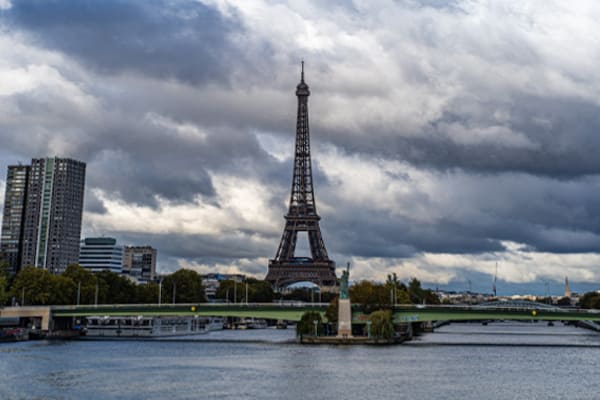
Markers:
(428, 326)
(43, 313)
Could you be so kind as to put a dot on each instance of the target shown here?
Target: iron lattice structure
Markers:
(302, 216)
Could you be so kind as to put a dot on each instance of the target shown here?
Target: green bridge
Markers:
(293, 312)
(402, 314)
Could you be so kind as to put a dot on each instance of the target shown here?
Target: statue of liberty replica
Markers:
(344, 308)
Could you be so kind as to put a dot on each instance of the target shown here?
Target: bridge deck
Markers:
(294, 312)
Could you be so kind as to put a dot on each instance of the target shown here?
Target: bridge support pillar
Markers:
(428, 326)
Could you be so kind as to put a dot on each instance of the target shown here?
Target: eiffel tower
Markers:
(302, 216)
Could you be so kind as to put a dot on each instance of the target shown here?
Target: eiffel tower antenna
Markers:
(302, 216)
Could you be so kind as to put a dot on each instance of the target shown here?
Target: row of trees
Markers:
(373, 296)
(590, 300)
(4, 279)
(77, 285)
(235, 292)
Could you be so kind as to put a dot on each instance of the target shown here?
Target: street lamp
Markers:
(96, 294)
(78, 291)
(369, 328)
(316, 322)
(159, 292)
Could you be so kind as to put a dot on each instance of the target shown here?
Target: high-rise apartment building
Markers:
(50, 225)
(139, 262)
(99, 254)
(11, 238)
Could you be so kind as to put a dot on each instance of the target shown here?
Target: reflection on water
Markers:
(511, 334)
(459, 361)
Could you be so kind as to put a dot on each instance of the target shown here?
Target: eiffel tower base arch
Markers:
(282, 274)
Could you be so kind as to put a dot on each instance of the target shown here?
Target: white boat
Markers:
(256, 323)
(214, 324)
(149, 327)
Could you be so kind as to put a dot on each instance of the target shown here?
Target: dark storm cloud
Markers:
(183, 40)
(382, 235)
(202, 248)
(561, 133)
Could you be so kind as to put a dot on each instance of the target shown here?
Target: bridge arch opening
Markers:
(305, 291)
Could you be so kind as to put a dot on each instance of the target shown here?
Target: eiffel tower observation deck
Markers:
(286, 269)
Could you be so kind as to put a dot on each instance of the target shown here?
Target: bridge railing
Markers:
(183, 305)
(510, 308)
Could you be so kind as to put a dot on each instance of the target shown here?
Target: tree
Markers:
(370, 295)
(381, 324)
(4, 281)
(258, 291)
(85, 281)
(590, 300)
(331, 313)
(147, 294)
(114, 288)
(397, 289)
(418, 295)
(62, 290)
(3, 291)
(564, 301)
(415, 293)
(185, 285)
(230, 291)
(36, 286)
(306, 325)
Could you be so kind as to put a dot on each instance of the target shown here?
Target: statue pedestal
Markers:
(344, 319)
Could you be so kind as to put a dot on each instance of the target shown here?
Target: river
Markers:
(458, 361)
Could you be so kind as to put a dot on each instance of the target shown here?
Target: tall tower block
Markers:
(53, 212)
(302, 216)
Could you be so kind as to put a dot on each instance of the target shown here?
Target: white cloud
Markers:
(242, 205)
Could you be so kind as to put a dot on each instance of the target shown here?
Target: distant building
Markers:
(211, 285)
(211, 282)
(11, 239)
(98, 254)
(567, 288)
(42, 214)
(139, 262)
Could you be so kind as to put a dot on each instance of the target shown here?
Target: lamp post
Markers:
(246, 292)
(174, 291)
(234, 291)
(316, 322)
(369, 328)
(96, 294)
(159, 292)
(78, 291)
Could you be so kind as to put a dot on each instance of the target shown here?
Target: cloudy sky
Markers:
(447, 136)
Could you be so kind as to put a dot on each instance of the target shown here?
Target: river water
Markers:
(459, 361)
